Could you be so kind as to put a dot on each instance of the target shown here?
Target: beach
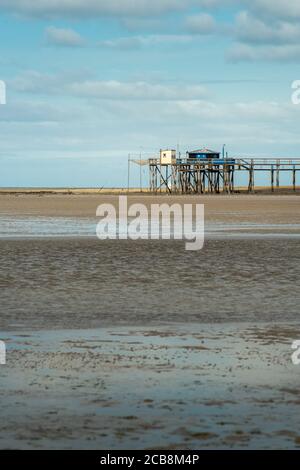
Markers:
(125, 344)
(149, 230)
(245, 208)
(173, 387)
(55, 283)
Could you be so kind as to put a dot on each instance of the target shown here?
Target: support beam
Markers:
(294, 178)
(198, 177)
(272, 178)
(278, 175)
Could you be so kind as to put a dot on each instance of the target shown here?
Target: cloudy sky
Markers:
(89, 81)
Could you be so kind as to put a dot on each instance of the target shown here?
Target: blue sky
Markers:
(89, 81)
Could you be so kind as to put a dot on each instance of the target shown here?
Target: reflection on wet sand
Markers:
(172, 387)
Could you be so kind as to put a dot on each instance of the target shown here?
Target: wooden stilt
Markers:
(199, 177)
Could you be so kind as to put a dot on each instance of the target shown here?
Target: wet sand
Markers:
(230, 209)
(87, 283)
(126, 345)
(175, 387)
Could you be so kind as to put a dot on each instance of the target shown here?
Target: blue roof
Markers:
(204, 151)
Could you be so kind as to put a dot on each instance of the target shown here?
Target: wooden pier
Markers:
(186, 176)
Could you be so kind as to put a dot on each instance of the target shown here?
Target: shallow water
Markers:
(85, 283)
(197, 349)
(173, 387)
(50, 227)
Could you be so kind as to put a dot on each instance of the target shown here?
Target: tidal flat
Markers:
(123, 344)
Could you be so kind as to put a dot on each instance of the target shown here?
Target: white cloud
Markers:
(131, 110)
(283, 53)
(257, 111)
(134, 42)
(68, 85)
(26, 111)
(137, 100)
(35, 82)
(63, 37)
(115, 90)
(201, 24)
(263, 35)
(196, 122)
(288, 9)
(251, 29)
(90, 8)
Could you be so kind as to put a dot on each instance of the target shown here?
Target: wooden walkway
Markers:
(215, 176)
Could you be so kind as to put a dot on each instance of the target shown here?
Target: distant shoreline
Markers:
(259, 190)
